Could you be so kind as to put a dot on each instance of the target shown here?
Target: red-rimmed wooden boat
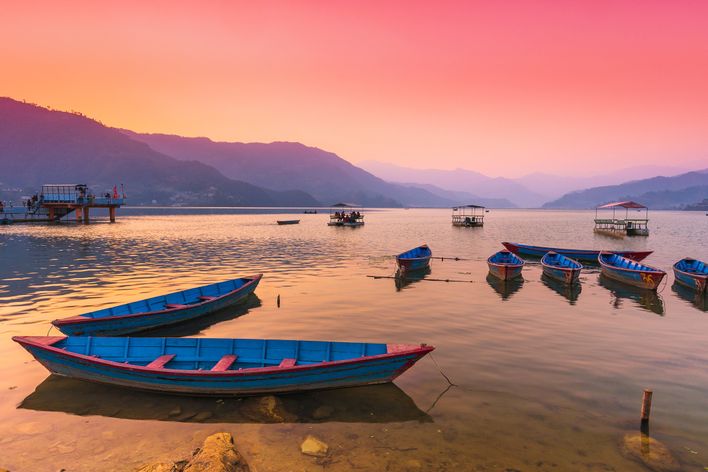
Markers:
(163, 310)
(415, 259)
(692, 273)
(505, 265)
(629, 271)
(561, 268)
(212, 366)
(581, 255)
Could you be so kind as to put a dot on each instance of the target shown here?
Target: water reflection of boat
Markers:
(404, 279)
(646, 299)
(383, 403)
(570, 292)
(697, 299)
(505, 288)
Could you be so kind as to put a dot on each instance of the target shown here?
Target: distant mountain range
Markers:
(40, 146)
(285, 165)
(657, 192)
(531, 190)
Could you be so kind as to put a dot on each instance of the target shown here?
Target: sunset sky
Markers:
(505, 88)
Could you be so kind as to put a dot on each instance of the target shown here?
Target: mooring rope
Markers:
(452, 384)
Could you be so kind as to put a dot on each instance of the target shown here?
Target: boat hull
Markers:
(581, 255)
(645, 277)
(337, 374)
(415, 259)
(567, 276)
(505, 272)
(288, 222)
(121, 325)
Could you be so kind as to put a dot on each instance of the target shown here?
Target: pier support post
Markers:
(78, 214)
(112, 214)
(51, 213)
(86, 215)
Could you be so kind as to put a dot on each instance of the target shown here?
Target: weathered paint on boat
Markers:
(581, 255)
(629, 271)
(561, 268)
(212, 366)
(163, 310)
(415, 259)
(692, 273)
(505, 265)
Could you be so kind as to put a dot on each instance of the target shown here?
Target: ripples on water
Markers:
(547, 374)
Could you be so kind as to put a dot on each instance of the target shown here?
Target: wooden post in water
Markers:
(112, 214)
(278, 301)
(86, 215)
(646, 406)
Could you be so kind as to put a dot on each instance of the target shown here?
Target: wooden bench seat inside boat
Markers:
(224, 363)
(287, 363)
(206, 298)
(172, 306)
(160, 362)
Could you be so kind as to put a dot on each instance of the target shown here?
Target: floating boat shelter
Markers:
(618, 226)
(339, 216)
(468, 216)
(57, 201)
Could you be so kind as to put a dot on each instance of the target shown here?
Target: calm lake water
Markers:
(547, 379)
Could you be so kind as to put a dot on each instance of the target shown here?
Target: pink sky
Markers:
(507, 87)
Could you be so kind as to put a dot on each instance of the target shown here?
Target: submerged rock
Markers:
(217, 454)
(312, 446)
(268, 409)
(650, 452)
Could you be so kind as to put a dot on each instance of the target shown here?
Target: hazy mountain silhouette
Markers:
(460, 180)
(38, 146)
(462, 198)
(656, 192)
(288, 165)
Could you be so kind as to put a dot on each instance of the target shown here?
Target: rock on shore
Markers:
(652, 453)
(217, 454)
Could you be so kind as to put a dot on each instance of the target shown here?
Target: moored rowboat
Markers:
(692, 273)
(212, 366)
(288, 222)
(415, 259)
(581, 255)
(562, 268)
(505, 265)
(629, 271)
(159, 311)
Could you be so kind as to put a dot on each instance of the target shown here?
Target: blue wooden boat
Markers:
(212, 366)
(505, 265)
(581, 255)
(692, 273)
(629, 271)
(159, 311)
(415, 259)
(561, 268)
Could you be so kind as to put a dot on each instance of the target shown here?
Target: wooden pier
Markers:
(57, 201)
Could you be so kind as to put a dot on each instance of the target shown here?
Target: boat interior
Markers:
(422, 251)
(180, 299)
(560, 261)
(505, 257)
(214, 354)
(692, 266)
(624, 263)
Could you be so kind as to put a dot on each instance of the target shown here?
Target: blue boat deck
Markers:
(207, 353)
(624, 263)
(192, 296)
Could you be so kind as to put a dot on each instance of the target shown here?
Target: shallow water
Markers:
(547, 378)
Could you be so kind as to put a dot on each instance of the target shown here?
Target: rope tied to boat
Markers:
(450, 382)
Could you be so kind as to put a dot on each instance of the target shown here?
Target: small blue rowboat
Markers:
(505, 265)
(212, 366)
(559, 267)
(692, 273)
(163, 310)
(630, 272)
(415, 259)
(582, 255)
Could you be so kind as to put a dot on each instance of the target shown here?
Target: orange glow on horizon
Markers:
(499, 87)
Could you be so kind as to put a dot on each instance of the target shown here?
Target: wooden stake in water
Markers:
(278, 301)
(646, 405)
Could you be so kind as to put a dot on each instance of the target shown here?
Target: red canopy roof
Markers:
(627, 204)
